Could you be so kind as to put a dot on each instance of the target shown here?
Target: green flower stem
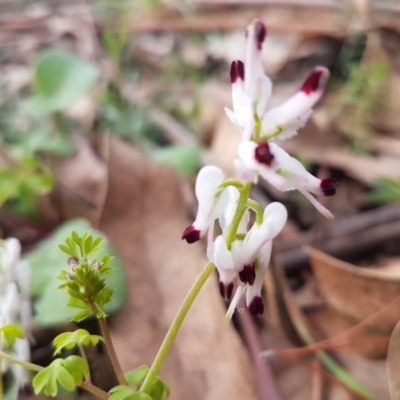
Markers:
(174, 328)
(89, 387)
(240, 210)
(257, 209)
(84, 356)
(232, 182)
(111, 351)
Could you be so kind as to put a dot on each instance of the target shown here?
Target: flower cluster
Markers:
(15, 305)
(242, 251)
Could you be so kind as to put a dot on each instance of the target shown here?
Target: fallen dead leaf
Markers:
(356, 292)
(393, 364)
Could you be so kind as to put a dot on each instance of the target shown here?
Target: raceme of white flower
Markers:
(241, 252)
(15, 306)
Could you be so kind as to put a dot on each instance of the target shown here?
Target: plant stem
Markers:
(25, 364)
(111, 351)
(88, 386)
(240, 210)
(96, 391)
(174, 328)
(84, 356)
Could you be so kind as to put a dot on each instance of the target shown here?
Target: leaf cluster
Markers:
(10, 333)
(67, 373)
(69, 340)
(85, 282)
(158, 391)
(22, 181)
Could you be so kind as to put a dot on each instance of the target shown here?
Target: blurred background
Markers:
(107, 111)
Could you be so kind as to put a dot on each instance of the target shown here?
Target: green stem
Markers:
(84, 356)
(174, 328)
(257, 209)
(88, 386)
(240, 210)
(111, 351)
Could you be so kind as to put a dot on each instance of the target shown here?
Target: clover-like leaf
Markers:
(12, 332)
(69, 340)
(123, 392)
(47, 379)
(77, 367)
(61, 78)
(137, 376)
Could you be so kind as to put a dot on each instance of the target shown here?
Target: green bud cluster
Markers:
(84, 279)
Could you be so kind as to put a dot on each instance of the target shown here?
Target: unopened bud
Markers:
(72, 262)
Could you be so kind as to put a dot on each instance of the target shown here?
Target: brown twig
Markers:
(345, 238)
(268, 386)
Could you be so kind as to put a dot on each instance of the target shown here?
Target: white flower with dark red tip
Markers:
(251, 90)
(251, 257)
(212, 203)
(285, 172)
(284, 121)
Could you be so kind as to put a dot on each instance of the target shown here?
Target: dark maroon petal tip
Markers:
(256, 307)
(263, 155)
(237, 71)
(261, 33)
(191, 234)
(328, 186)
(248, 274)
(315, 81)
(226, 291)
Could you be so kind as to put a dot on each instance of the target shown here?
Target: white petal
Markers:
(223, 260)
(208, 180)
(227, 216)
(293, 112)
(292, 128)
(23, 274)
(263, 263)
(257, 84)
(241, 104)
(231, 115)
(274, 218)
(236, 298)
(324, 211)
(243, 173)
(10, 254)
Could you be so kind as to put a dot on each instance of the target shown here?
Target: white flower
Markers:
(15, 306)
(212, 202)
(251, 90)
(248, 259)
(285, 172)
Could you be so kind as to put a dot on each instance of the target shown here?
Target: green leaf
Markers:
(137, 376)
(77, 367)
(11, 333)
(47, 379)
(186, 159)
(387, 190)
(123, 392)
(61, 78)
(47, 261)
(157, 390)
(68, 340)
(80, 316)
(66, 249)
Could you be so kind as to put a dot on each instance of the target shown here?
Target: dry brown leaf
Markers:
(356, 292)
(393, 364)
(144, 217)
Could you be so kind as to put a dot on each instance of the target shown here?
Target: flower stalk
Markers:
(174, 328)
